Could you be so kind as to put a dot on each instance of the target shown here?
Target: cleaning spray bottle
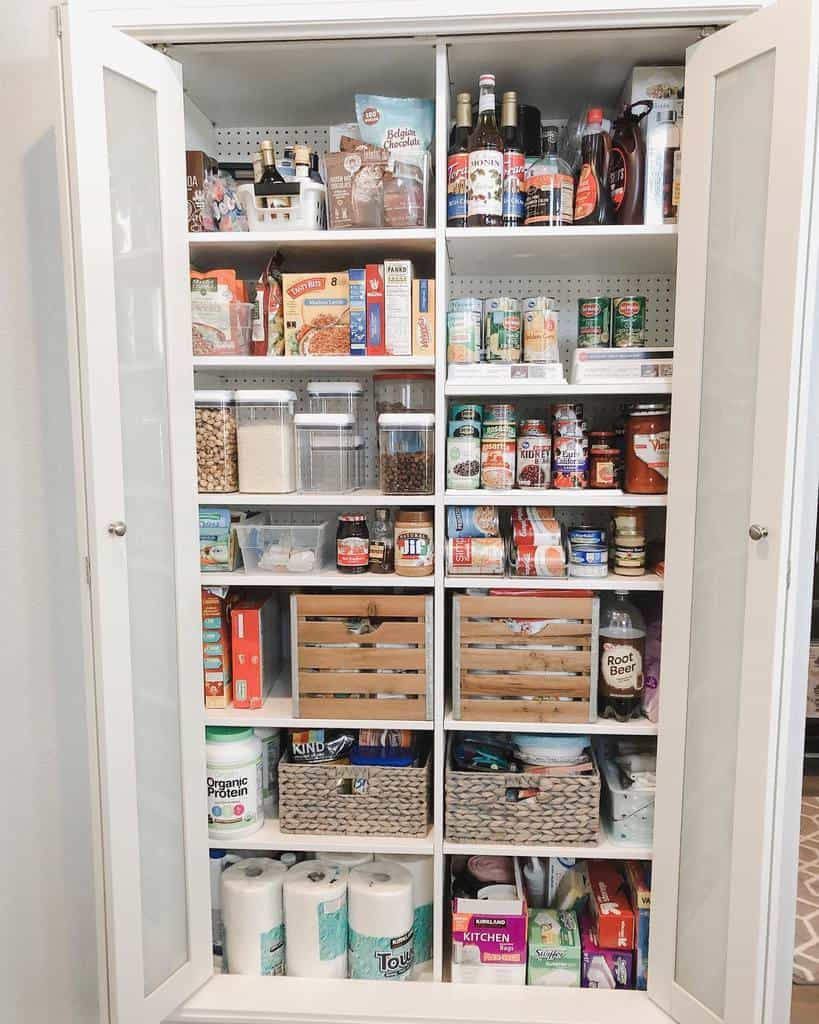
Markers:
(534, 877)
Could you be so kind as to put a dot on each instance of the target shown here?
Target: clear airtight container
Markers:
(267, 446)
(217, 469)
(339, 396)
(327, 452)
(406, 443)
(404, 392)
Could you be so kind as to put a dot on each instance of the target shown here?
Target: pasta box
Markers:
(489, 939)
(316, 314)
(613, 924)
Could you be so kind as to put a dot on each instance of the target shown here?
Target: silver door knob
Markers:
(117, 528)
(757, 532)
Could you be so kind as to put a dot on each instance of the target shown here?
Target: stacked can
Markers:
(464, 326)
(534, 468)
(603, 322)
(503, 330)
(498, 447)
(463, 447)
(570, 447)
(588, 552)
(540, 343)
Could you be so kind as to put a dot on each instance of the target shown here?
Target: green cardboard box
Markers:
(554, 949)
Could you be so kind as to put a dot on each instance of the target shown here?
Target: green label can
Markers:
(628, 315)
(594, 322)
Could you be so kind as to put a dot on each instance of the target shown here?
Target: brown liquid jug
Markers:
(627, 164)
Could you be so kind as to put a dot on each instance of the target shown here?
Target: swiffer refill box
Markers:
(604, 968)
(554, 949)
(254, 625)
(638, 880)
(489, 939)
(613, 924)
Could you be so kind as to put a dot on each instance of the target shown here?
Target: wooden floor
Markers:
(805, 1001)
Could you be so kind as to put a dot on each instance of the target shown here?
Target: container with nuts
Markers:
(217, 465)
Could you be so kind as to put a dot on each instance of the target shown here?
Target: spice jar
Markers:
(406, 453)
(217, 468)
(352, 544)
(404, 196)
(647, 444)
(534, 467)
(629, 553)
(414, 549)
(267, 456)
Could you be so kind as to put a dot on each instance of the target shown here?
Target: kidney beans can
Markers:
(534, 466)
(628, 321)
(594, 322)
(472, 521)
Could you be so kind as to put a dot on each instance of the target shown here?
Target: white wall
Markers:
(48, 967)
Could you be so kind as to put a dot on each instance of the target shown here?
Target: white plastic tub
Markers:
(268, 546)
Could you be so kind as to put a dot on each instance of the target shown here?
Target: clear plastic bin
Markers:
(268, 546)
(404, 392)
(222, 329)
(336, 396)
(406, 443)
(267, 445)
(217, 467)
(327, 453)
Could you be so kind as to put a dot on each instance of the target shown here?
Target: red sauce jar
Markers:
(352, 544)
(648, 431)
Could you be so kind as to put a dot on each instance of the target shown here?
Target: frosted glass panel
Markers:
(741, 142)
(132, 148)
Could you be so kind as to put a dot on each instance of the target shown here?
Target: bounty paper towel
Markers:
(420, 867)
(252, 916)
(381, 913)
(345, 860)
(315, 909)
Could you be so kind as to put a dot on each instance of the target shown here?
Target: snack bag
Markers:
(395, 123)
(268, 315)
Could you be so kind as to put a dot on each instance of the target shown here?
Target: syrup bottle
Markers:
(592, 201)
(627, 164)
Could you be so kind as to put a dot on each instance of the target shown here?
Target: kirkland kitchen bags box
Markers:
(489, 939)
(255, 642)
(398, 307)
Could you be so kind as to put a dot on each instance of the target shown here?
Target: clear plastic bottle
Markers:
(549, 185)
(382, 542)
(622, 654)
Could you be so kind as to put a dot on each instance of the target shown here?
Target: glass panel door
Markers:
(126, 137)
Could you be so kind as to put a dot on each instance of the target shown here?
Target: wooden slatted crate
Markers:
(525, 659)
(341, 672)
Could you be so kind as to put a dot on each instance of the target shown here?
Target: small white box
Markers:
(601, 365)
(505, 373)
(398, 276)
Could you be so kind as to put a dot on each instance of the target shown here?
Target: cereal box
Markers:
(316, 314)
(423, 316)
(216, 660)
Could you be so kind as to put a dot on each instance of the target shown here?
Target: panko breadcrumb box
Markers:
(316, 314)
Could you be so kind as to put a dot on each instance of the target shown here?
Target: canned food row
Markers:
(502, 329)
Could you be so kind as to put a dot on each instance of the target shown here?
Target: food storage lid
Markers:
(264, 397)
(647, 408)
(384, 375)
(339, 420)
(335, 387)
(406, 420)
(413, 517)
(212, 397)
(226, 734)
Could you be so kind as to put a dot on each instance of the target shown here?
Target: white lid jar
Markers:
(234, 782)
(267, 446)
(336, 396)
(327, 452)
(217, 468)
(406, 443)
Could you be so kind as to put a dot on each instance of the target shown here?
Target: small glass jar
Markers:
(342, 396)
(414, 547)
(648, 433)
(605, 466)
(326, 452)
(352, 544)
(217, 467)
(382, 542)
(406, 453)
(267, 451)
(629, 553)
(404, 196)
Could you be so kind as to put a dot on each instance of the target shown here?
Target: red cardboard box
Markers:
(216, 662)
(254, 624)
(612, 919)
(374, 285)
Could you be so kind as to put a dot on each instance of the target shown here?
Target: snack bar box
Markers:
(616, 364)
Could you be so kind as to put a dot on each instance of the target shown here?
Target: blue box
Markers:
(358, 312)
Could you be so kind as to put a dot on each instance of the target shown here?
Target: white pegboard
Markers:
(238, 144)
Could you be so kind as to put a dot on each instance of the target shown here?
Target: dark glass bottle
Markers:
(457, 163)
(485, 190)
(382, 542)
(592, 200)
(271, 176)
(514, 163)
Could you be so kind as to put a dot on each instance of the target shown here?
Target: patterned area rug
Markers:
(806, 953)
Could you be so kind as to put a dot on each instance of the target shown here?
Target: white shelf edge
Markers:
(555, 496)
(310, 499)
(277, 713)
(329, 578)
(616, 231)
(272, 364)
(229, 239)
(458, 389)
(605, 850)
(649, 582)
(270, 837)
(602, 727)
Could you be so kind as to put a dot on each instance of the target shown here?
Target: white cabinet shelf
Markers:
(328, 578)
(367, 498)
(604, 850)
(532, 252)
(271, 837)
(602, 727)
(554, 496)
(298, 364)
(625, 388)
(651, 581)
(341, 247)
(277, 713)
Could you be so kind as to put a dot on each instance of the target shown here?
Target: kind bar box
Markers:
(358, 311)
(198, 166)
(613, 923)
(218, 548)
(254, 623)
(398, 307)
(316, 314)
(374, 287)
(604, 968)
(216, 661)
(638, 882)
(489, 939)
(554, 949)
(423, 316)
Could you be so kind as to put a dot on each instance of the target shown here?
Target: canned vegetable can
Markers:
(594, 322)
(628, 315)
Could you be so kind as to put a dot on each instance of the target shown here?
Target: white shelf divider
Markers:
(310, 499)
(586, 497)
(342, 247)
(271, 837)
(602, 727)
(277, 713)
(626, 388)
(604, 850)
(651, 581)
(297, 364)
(327, 578)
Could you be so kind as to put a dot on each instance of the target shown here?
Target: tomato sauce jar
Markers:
(648, 432)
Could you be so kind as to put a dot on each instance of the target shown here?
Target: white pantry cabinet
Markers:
(731, 285)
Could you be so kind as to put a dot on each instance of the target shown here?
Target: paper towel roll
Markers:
(315, 910)
(252, 916)
(420, 867)
(381, 917)
(345, 860)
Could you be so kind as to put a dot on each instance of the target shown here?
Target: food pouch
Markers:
(396, 123)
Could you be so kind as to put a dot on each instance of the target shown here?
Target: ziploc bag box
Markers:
(489, 939)
(554, 949)
(218, 549)
(604, 968)
(638, 881)
(613, 923)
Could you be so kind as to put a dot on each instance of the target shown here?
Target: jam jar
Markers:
(605, 459)
(352, 544)
(648, 431)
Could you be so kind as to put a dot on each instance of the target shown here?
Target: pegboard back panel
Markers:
(238, 144)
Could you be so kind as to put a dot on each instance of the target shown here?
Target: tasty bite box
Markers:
(489, 939)
(613, 923)
(316, 314)
(254, 625)
(554, 949)
(638, 881)
(603, 968)
(216, 661)
(423, 316)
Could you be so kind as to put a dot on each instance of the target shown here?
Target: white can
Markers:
(234, 782)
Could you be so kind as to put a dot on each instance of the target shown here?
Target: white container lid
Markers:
(339, 420)
(264, 397)
(335, 387)
(212, 397)
(406, 420)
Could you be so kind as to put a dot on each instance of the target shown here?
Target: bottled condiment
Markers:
(382, 542)
(457, 163)
(622, 653)
(549, 186)
(605, 460)
(270, 174)
(629, 553)
(352, 544)
(514, 163)
(592, 202)
(315, 175)
(627, 164)
(414, 549)
(647, 445)
(302, 161)
(485, 178)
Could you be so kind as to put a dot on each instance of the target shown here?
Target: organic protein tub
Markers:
(234, 782)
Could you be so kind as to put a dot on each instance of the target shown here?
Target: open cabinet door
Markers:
(126, 194)
(750, 108)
